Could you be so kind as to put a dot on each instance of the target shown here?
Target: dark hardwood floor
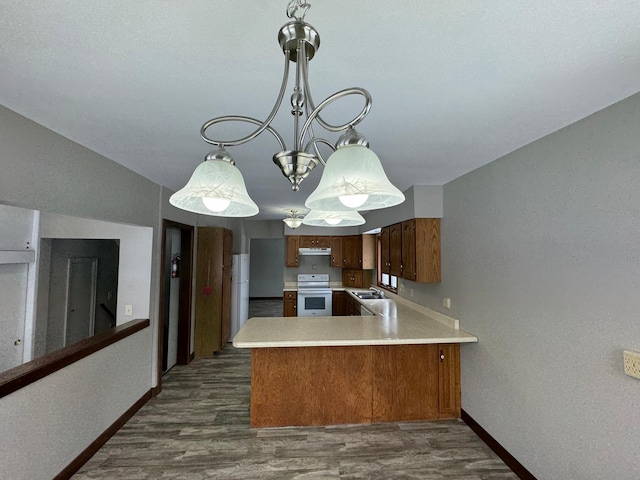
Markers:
(198, 428)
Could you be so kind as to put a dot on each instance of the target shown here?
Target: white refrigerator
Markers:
(239, 292)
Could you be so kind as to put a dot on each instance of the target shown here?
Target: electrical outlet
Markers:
(631, 363)
(128, 310)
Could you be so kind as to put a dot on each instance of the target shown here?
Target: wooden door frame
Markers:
(185, 293)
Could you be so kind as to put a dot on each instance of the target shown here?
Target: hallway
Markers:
(198, 428)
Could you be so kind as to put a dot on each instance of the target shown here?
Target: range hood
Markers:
(314, 251)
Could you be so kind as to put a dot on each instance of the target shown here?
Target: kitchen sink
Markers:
(371, 295)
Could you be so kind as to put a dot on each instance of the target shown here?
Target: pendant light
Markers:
(319, 218)
(216, 188)
(353, 179)
(293, 220)
(362, 184)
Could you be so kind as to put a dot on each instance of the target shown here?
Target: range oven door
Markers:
(314, 302)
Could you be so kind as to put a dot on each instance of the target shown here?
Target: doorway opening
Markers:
(174, 329)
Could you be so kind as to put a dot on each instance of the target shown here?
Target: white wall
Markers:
(42, 170)
(266, 262)
(541, 258)
(46, 424)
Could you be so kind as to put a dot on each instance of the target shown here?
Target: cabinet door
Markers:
(352, 278)
(339, 303)
(323, 241)
(409, 250)
(225, 326)
(227, 242)
(427, 250)
(292, 251)
(449, 380)
(384, 249)
(290, 307)
(395, 249)
(336, 252)
(306, 241)
(209, 277)
(405, 383)
(352, 251)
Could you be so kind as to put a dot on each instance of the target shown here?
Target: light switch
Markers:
(446, 302)
(128, 310)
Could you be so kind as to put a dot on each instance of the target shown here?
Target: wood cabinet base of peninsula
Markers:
(303, 386)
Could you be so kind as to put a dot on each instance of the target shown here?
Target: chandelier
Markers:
(292, 220)
(353, 178)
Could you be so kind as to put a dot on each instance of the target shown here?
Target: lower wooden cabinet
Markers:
(449, 380)
(357, 384)
(352, 306)
(339, 303)
(290, 307)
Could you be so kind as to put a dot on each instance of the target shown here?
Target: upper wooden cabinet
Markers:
(293, 245)
(352, 251)
(359, 251)
(336, 252)
(314, 241)
(384, 249)
(421, 250)
(411, 250)
(395, 250)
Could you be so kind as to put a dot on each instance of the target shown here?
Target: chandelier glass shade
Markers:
(215, 188)
(319, 218)
(353, 176)
(353, 179)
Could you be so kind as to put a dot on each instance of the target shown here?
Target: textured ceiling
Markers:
(455, 84)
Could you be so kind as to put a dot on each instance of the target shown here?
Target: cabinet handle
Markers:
(441, 356)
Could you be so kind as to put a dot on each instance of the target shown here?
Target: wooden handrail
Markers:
(22, 375)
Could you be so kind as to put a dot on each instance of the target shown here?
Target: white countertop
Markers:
(397, 322)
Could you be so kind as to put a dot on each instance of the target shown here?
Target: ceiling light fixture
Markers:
(293, 220)
(346, 218)
(353, 176)
(216, 188)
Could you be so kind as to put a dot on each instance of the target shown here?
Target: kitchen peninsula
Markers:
(401, 363)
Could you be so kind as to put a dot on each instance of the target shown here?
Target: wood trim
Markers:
(184, 325)
(27, 373)
(93, 448)
(498, 449)
(187, 239)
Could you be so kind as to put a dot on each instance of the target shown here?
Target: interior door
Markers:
(80, 311)
(13, 297)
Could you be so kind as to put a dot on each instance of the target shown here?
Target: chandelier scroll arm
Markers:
(332, 98)
(314, 142)
(239, 118)
(263, 125)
